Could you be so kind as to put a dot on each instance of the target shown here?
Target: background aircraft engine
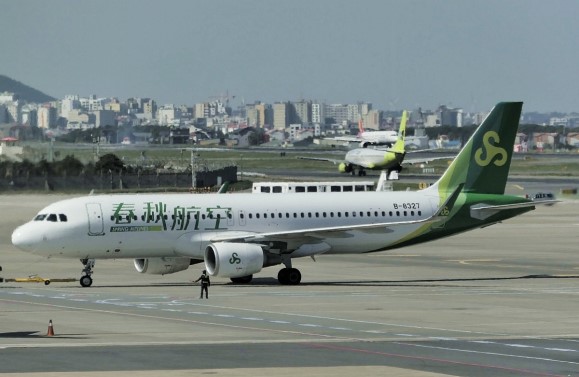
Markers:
(344, 168)
(233, 260)
(162, 266)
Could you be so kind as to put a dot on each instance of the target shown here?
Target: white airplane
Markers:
(366, 138)
(388, 160)
(236, 235)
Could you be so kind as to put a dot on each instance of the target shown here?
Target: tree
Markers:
(110, 162)
(70, 164)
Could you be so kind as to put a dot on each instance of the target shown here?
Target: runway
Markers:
(498, 301)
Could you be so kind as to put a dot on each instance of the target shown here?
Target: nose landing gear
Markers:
(85, 279)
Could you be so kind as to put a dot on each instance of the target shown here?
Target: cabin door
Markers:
(96, 225)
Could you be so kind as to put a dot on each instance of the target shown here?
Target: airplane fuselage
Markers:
(131, 226)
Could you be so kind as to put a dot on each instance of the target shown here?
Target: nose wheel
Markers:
(85, 279)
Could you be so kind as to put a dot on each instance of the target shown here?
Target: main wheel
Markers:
(294, 276)
(283, 276)
(86, 281)
(289, 276)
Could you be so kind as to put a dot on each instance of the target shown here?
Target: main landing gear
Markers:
(288, 275)
(85, 279)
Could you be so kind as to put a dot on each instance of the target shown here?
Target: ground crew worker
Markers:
(205, 283)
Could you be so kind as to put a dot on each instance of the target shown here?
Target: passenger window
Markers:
(300, 189)
(277, 189)
(264, 188)
(335, 189)
(52, 217)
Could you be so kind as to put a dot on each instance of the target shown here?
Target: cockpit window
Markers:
(40, 217)
(52, 217)
(62, 217)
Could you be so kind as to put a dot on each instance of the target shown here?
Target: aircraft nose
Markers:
(23, 239)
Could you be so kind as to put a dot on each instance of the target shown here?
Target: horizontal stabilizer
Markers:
(483, 211)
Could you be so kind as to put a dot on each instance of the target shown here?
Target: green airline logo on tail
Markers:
(490, 151)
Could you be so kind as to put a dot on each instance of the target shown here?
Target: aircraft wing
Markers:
(336, 230)
(349, 139)
(425, 160)
(314, 232)
(334, 161)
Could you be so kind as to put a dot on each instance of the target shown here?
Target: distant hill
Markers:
(24, 92)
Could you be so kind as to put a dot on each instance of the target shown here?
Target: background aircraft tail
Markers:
(483, 163)
(399, 146)
(360, 127)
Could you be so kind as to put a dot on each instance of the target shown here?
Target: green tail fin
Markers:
(399, 146)
(483, 163)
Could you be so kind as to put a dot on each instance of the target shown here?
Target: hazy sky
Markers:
(394, 54)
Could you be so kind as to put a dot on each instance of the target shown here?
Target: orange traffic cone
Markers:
(50, 329)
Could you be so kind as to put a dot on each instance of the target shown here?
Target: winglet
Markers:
(224, 187)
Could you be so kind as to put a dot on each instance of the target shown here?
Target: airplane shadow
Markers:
(257, 282)
(270, 281)
(36, 334)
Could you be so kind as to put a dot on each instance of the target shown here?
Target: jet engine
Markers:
(162, 266)
(233, 260)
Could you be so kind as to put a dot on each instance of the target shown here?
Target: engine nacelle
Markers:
(232, 260)
(162, 266)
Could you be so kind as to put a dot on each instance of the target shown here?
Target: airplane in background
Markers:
(389, 160)
(237, 235)
(367, 138)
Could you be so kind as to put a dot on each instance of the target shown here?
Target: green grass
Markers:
(250, 160)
